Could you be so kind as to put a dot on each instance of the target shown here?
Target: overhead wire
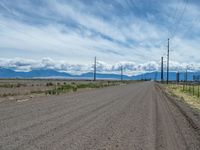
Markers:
(179, 19)
(173, 15)
(196, 19)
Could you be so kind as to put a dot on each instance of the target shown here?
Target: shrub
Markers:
(49, 84)
(74, 88)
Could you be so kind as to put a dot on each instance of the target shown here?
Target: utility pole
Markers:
(168, 62)
(95, 69)
(155, 78)
(177, 77)
(186, 78)
(161, 69)
(121, 73)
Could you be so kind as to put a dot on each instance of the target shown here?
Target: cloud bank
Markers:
(130, 68)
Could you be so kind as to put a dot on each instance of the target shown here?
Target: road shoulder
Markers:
(192, 115)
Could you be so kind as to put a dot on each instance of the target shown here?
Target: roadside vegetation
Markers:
(8, 85)
(73, 87)
(49, 87)
(190, 94)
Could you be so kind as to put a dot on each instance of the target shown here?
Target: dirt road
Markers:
(136, 116)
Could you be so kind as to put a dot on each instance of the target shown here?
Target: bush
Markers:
(74, 89)
(18, 85)
(49, 84)
(73, 83)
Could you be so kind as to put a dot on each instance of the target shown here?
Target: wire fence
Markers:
(190, 87)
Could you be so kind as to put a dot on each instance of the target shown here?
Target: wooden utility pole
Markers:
(186, 75)
(161, 69)
(186, 79)
(155, 78)
(95, 67)
(177, 77)
(121, 73)
(168, 62)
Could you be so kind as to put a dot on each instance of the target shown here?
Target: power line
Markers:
(196, 19)
(95, 69)
(174, 16)
(161, 69)
(121, 73)
(178, 21)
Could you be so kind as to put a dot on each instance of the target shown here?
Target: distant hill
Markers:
(172, 76)
(104, 76)
(8, 73)
(48, 73)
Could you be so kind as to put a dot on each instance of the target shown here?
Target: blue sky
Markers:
(72, 32)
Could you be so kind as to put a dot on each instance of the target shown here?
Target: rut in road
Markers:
(135, 116)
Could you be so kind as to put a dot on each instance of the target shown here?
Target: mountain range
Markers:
(50, 73)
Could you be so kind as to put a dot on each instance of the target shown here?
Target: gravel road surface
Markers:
(137, 116)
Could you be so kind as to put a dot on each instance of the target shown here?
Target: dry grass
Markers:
(187, 97)
(25, 87)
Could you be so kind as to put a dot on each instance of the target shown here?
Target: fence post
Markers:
(193, 89)
(185, 86)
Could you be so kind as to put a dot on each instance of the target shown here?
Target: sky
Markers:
(66, 35)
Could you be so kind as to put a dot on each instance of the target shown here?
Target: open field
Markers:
(19, 89)
(138, 116)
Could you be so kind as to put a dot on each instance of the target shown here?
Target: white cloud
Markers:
(130, 68)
